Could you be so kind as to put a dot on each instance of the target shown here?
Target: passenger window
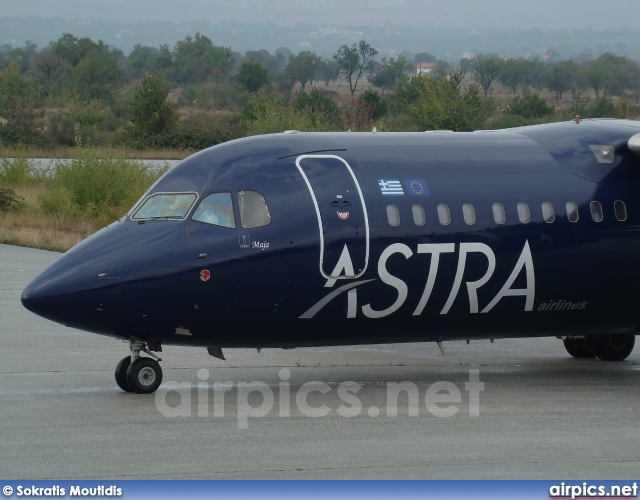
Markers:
(596, 211)
(393, 215)
(253, 209)
(523, 213)
(444, 215)
(419, 217)
(165, 206)
(621, 210)
(216, 209)
(469, 214)
(547, 212)
(572, 212)
(499, 214)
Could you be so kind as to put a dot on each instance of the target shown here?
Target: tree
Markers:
(560, 76)
(252, 76)
(537, 74)
(97, 76)
(48, 67)
(15, 85)
(20, 106)
(514, 73)
(443, 66)
(73, 49)
(282, 56)
(264, 57)
(597, 75)
(329, 71)
(485, 70)
(354, 60)
(21, 55)
(284, 81)
(619, 73)
(464, 65)
(303, 66)
(197, 59)
(139, 61)
(390, 72)
(151, 115)
(579, 82)
(424, 57)
(161, 62)
(149, 109)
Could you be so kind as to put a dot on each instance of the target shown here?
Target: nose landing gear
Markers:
(137, 374)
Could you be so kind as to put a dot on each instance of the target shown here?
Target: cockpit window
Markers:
(253, 209)
(216, 209)
(165, 206)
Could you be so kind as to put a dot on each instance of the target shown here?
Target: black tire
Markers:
(144, 375)
(579, 348)
(121, 374)
(614, 347)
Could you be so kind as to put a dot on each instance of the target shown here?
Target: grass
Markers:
(33, 227)
(49, 232)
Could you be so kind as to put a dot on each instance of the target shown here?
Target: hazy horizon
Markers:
(456, 14)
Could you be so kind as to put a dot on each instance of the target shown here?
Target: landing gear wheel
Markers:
(144, 375)
(614, 347)
(579, 348)
(121, 373)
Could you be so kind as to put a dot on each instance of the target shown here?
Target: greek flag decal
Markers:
(390, 187)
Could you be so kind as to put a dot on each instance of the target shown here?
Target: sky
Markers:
(454, 14)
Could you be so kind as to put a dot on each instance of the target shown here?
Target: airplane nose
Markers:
(69, 290)
(62, 292)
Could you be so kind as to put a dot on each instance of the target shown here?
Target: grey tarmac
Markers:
(542, 414)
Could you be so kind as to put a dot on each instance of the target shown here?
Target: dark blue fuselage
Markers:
(345, 259)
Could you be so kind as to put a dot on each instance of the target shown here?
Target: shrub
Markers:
(81, 123)
(24, 123)
(376, 103)
(17, 171)
(357, 116)
(437, 102)
(529, 106)
(101, 189)
(10, 201)
(268, 112)
(202, 129)
(600, 107)
(319, 105)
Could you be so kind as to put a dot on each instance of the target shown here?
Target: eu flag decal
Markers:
(390, 187)
(416, 187)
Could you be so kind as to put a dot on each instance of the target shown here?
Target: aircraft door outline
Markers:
(350, 176)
